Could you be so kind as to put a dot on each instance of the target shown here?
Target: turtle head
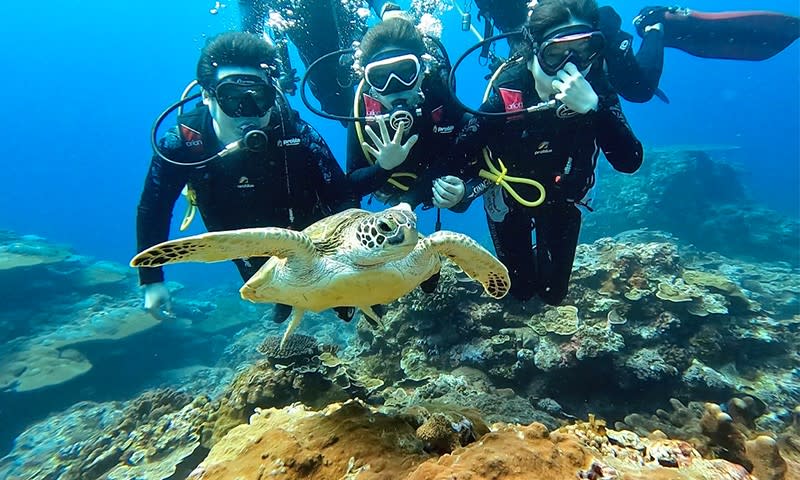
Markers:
(386, 236)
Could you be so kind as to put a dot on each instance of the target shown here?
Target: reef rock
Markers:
(354, 441)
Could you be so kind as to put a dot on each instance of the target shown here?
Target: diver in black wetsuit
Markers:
(725, 35)
(316, 27)
(634, 76)
(285, 176)
(550, 156)
(405, 162)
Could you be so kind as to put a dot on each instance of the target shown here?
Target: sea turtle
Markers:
(354, 258)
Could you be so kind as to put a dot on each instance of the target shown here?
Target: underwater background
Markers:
(719, 193)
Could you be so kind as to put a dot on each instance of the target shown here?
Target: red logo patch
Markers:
(512, 99)
(191, 138)
(437, 114)
(371, 106)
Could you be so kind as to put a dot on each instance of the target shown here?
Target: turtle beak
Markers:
(248, 292)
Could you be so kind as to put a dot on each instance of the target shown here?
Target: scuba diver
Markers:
(316, 28)
(753, 36)
(245, 156)
(543, 123)
(401, 154)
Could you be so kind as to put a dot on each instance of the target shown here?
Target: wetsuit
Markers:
(634, 76)
(411, 181)
(317, 27)
(557, 148)
(294, 183)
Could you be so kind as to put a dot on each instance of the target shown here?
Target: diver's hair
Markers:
(395, 33)
(234, 49)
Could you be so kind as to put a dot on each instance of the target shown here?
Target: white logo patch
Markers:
(495, 204)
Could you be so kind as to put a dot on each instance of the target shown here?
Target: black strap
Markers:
(487, 32)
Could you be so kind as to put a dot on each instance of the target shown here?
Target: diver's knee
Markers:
(553, 296)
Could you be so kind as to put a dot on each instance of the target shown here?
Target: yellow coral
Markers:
(675, 292)
(616, 318)
(438, 434)
(561, 320)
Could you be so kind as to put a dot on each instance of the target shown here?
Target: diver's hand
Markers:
(157, 301)
(447, 191)
(389, 153)
(391, 10)
(574, 90)
(650, 17)
(655, 27)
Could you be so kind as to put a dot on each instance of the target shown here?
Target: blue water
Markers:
(83, 81)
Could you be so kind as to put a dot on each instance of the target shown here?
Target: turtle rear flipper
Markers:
(297, 317)
(474, 260)
(372, 317)
(228, 245)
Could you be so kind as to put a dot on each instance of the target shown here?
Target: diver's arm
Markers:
(380, 7)
(333, 187)
(467, 157)
(365, 178)
(634, 76)
(162, 187)
(615, 136)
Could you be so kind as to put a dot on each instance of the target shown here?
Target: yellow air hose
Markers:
(191, 207)
(191, 196)
(500, 176)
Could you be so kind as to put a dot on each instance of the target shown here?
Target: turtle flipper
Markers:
(227, 245)
(473, 259)
(297, 317)
(372, 317)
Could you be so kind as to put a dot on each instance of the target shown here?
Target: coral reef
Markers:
(340, 441)
(147, 438)
(642, 313)
(353, 440)
(302, 371)
(699, 197)
(732, 431)
(650, 316)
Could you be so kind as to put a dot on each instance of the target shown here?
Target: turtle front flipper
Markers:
(473, 259)
(227, 245)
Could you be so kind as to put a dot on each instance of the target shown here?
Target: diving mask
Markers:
(244, 96)
(393, 74)
(571, 44)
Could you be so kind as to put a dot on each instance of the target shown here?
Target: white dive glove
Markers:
(447, 191)
(574, 90)
(389, 153)
(157, 301)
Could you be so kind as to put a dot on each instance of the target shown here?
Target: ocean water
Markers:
(83, 82)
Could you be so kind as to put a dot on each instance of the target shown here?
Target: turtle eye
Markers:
(385, 227)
